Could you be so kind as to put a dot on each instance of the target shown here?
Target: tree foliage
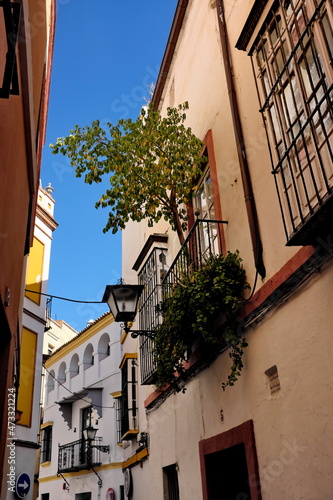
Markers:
(152, 163)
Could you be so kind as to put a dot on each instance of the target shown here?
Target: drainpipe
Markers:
(242, 158)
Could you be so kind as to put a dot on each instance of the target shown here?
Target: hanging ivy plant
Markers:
(191, 312)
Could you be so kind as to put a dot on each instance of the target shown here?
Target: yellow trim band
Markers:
(116, 394)
(115, 465)
(46, 424)
(130, 432)
(128, 355)
(138, 457)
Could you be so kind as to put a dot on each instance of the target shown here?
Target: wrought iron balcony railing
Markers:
(203, 241)
(74, 456)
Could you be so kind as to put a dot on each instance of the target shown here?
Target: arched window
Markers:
(74, 366)
(50, 381)
(88, 356)
(103, 346)
(62, 373)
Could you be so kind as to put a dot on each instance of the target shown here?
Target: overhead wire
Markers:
(64, 298)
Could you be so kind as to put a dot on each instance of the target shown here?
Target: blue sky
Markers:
(106, 55)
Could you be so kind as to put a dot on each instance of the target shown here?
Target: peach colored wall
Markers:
(19, 176)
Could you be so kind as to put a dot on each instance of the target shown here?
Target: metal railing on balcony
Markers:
(74, 456)
(203, 241)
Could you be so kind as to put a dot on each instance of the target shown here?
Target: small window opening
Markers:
(273, 378)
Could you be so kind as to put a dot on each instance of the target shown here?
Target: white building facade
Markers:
(31, 352)
(82, 379)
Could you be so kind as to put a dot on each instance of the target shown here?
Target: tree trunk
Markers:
(176, 219)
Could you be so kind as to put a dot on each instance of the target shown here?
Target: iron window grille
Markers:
(292, 59)
(129, 405)
(119, 412)
(11, 14)
(46, 444)
(203, 240)
(151, 276)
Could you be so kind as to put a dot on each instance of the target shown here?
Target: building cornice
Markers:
(46, 218)
(169, 51)
(250, 24)
(128, 355)
(153, 238)
(26, 444)
(33, 316)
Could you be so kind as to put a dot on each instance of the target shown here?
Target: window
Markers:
(35, 271)
(27, 376)
(170, 482)
(129, 408)
(292, 59)
(203, 204)
(86, 418)
(11, 17)
(86, 421)
(119, 413)
(151, 276)
(203, 200)
(46, 444)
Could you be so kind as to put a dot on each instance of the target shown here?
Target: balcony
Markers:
(74, 456)
(203, 241)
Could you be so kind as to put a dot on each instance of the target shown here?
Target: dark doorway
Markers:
(229, 465)
(227, 474)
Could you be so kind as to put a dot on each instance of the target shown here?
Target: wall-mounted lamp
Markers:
(89, 435)
(123, 302)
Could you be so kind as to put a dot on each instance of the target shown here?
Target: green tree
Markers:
(152, 162)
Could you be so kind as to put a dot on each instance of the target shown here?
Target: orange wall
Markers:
(21, 135)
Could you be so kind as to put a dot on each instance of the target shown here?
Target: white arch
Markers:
(88, 356)
(74, 366)
(50, 381)
(62, 373)
(103, 346)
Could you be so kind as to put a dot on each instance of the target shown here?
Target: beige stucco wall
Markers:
(197, 76)
(293, 429)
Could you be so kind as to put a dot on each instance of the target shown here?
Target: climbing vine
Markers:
(191, 314)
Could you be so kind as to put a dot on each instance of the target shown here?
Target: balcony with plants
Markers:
(192, 310)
